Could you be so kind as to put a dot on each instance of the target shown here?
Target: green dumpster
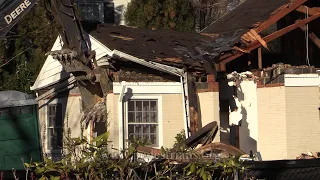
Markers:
(19, 131)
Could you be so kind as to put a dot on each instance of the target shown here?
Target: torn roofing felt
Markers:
(165, 46)
(183, 48)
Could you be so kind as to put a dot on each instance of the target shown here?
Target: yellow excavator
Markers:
(75, 56)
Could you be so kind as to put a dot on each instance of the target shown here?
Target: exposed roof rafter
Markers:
(311, 11)
(271, 37)
(279, 13)
(314, 38)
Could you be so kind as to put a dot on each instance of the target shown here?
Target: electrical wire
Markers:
(16, 56)
(306, 37)
(27, 33)
(9, 81)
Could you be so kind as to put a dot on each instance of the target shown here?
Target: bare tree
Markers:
(208, 11)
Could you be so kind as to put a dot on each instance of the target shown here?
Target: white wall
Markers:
(248, 131)
(209, 108)
(272, 142)
(171, 111)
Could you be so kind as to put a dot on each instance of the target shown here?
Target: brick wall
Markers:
(272, 138)
(303, 125)
(288, 121)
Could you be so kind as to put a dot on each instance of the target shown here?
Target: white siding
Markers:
(52, 71)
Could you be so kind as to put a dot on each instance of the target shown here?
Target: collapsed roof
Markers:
(180, 49)
(189, 49)
(164, 46)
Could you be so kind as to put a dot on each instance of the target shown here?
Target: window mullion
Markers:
(149, 119)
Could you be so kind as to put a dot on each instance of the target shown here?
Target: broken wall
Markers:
(248, 131)
(278, 120)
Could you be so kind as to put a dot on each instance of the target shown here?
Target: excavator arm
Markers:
(76, 56)
(11, 11)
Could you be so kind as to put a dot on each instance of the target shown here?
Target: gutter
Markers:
(150, 64)
(121, 117)
(185, 100)
(167, 69)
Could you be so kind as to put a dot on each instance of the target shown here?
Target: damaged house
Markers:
(166, 81)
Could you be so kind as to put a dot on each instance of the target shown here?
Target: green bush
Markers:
(161, 14)
(86, 161)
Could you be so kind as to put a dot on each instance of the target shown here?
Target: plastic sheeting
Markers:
(15, 98)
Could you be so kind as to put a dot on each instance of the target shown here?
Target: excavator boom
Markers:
(76, 56)
(11, 11)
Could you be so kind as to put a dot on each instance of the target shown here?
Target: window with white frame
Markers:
(143, 120)
(54, 127)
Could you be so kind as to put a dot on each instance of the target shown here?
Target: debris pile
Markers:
(247, 75)
(235, 78)
(308, 155)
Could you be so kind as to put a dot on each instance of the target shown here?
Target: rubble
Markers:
(308, 155)
(247, 75)
(270, 75)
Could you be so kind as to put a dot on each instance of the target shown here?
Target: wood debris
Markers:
(252, 36)
(241, 50)
(122, 37)
(308, 155)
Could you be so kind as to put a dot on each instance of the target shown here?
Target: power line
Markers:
(10, 80)
(16, 56)
(27, 33)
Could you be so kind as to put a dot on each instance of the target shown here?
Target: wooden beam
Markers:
(222, 67)
(270, 37)
(279, 13)
(260, 58)
(314, 38)
(311, 11)
(193, 104)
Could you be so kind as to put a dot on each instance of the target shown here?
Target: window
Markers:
(54, 127)
(143, 121)
(91, 11)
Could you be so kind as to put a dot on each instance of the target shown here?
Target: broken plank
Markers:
(195, 139)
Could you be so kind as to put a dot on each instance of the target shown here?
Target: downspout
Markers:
(120, 116)
(185, 100)
(170, 70)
